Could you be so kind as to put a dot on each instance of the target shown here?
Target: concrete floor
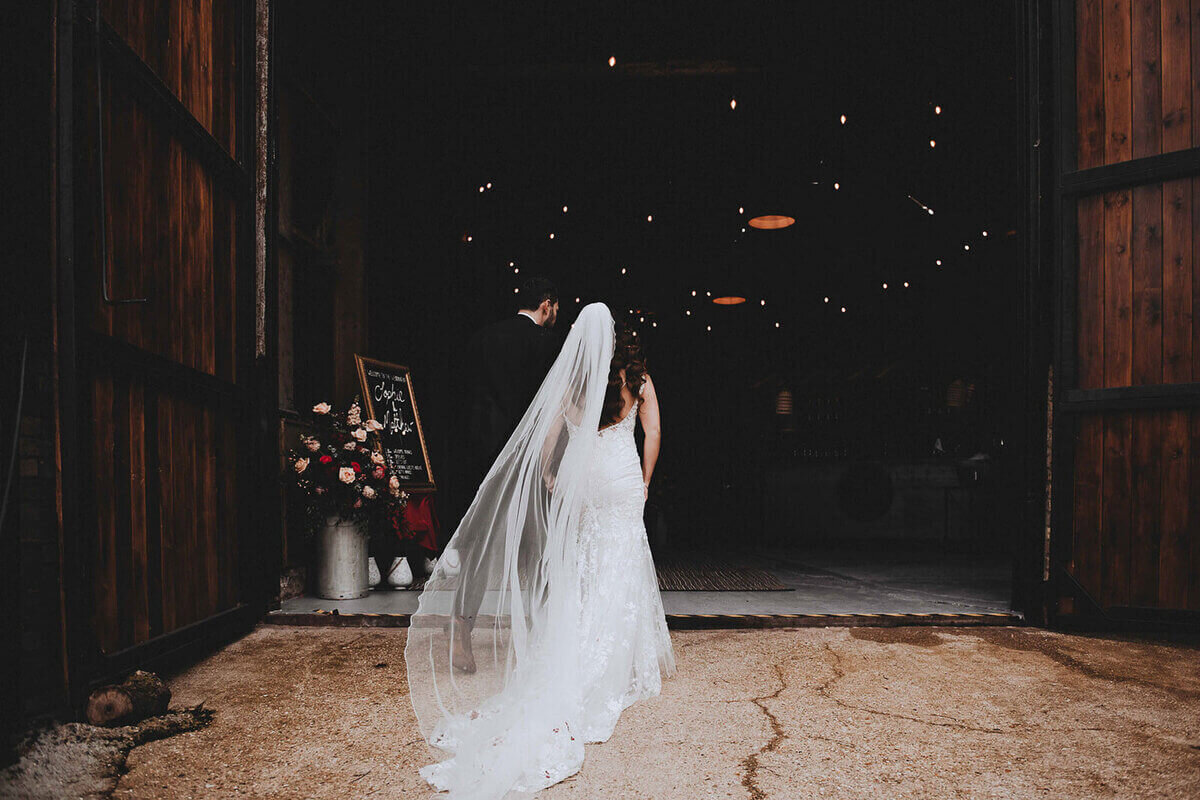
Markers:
(818, 712)
(822, 582)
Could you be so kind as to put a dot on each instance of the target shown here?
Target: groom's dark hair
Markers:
(534, 292)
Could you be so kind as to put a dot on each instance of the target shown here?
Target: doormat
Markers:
(697, 576)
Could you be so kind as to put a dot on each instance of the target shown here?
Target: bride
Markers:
(571, 629)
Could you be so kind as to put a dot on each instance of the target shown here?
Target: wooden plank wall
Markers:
(1137, 473)
(165, 456)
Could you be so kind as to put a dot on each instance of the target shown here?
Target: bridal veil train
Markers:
(556, 589)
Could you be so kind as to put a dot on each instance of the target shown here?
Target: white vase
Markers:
(400, 573)
(373, 576)
(341, 561)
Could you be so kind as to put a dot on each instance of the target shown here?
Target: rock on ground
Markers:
(805, 713)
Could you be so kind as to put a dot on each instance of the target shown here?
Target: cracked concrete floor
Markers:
(816, 712)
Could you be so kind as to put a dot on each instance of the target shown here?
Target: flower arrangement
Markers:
(341, 475)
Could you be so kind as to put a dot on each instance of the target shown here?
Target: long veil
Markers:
(509, 580)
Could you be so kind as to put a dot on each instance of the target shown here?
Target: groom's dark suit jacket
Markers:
(507, 362)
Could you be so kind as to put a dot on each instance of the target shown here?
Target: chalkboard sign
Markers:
(388, 398)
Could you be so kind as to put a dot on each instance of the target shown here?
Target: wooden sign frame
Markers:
(361, 362)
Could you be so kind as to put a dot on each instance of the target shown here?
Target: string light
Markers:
(622, 270)
(885, 286)
(843, 309)
(930, 210)
(576, 299)
(762, 302)
(906, 284)
(489, 185)
(512, 263)
(709, 294)
(689, 312)
(826, 299)
(516, 291)
(653, 324)
(966, 247)
(516, 270)
(564, 209)
(776, 324)
(612, 61)
(693, 292)
(843, 119)
(710, 327)
(937, 109)
(741, 209)
(732, 104)
(932, 143)
(481, 189)
(470, 238)
(939, 262)
(743, 230)
(837, 186)
(552, 236)
(649, 218)
(641, 319)
(985, 234)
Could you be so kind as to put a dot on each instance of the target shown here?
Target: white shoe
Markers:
(373, 576)
(400, 574)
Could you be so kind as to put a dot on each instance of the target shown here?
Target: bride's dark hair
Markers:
(627, 355)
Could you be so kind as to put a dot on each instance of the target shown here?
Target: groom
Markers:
(506, 363)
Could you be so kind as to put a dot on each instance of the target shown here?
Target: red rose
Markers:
(378, 473)
(355, 466)
(326, 459)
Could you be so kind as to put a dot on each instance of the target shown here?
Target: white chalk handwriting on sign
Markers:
(389, 397)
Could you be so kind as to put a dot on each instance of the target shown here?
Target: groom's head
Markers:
(540, 298)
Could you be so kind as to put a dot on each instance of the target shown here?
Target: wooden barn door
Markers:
(1128, 82)
(163, 290)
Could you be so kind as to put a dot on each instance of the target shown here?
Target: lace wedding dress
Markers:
(570, 629)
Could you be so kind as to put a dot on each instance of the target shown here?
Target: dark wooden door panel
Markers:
(1131, 296)
(165, 405)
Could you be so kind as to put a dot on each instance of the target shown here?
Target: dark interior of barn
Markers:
(848, 419)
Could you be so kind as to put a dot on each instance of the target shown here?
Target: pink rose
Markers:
(368, 492)
(346, 475)
(378, 473)
(301, 464)
(350, 445)
(359, 434)
(377, 458)
(394, 483)
(312, 444)
(373, 425)
(321, 408)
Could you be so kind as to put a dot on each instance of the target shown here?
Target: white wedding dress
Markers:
(571, 630)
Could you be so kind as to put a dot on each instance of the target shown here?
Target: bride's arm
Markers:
(652, 427)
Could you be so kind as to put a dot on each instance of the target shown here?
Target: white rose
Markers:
(393, 482)
(350, 445)
(301, 464)
(373, 425)
(346, 475)
(359, 434)
(377, 458)
(321, 408)
(312, 444)
(368, 492)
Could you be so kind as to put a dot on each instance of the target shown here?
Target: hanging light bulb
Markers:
(552, 236)
(732, 105)
(693, 292)
(762, 302)
(776, 324)
(843, 119)
(743, 230)
(930, 210)
(564, 209)
(939, 262)
(612, 61)
(985, 233)
(481, 189)
(837, 186)
(709, 294)
(641, 319)
(653, 324)
(906, 284)
(576, 299)
(489, 184)
(516, 291)
(689, 312)
(843, 309)
(937, 109)
(826, 299)
(885, 286)
(649, 218)
(741, 209)
(516, 270)
(512, 263)
(966, 247)
(470, 238)
(932, 143)
(710, 327)
(622, 270)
